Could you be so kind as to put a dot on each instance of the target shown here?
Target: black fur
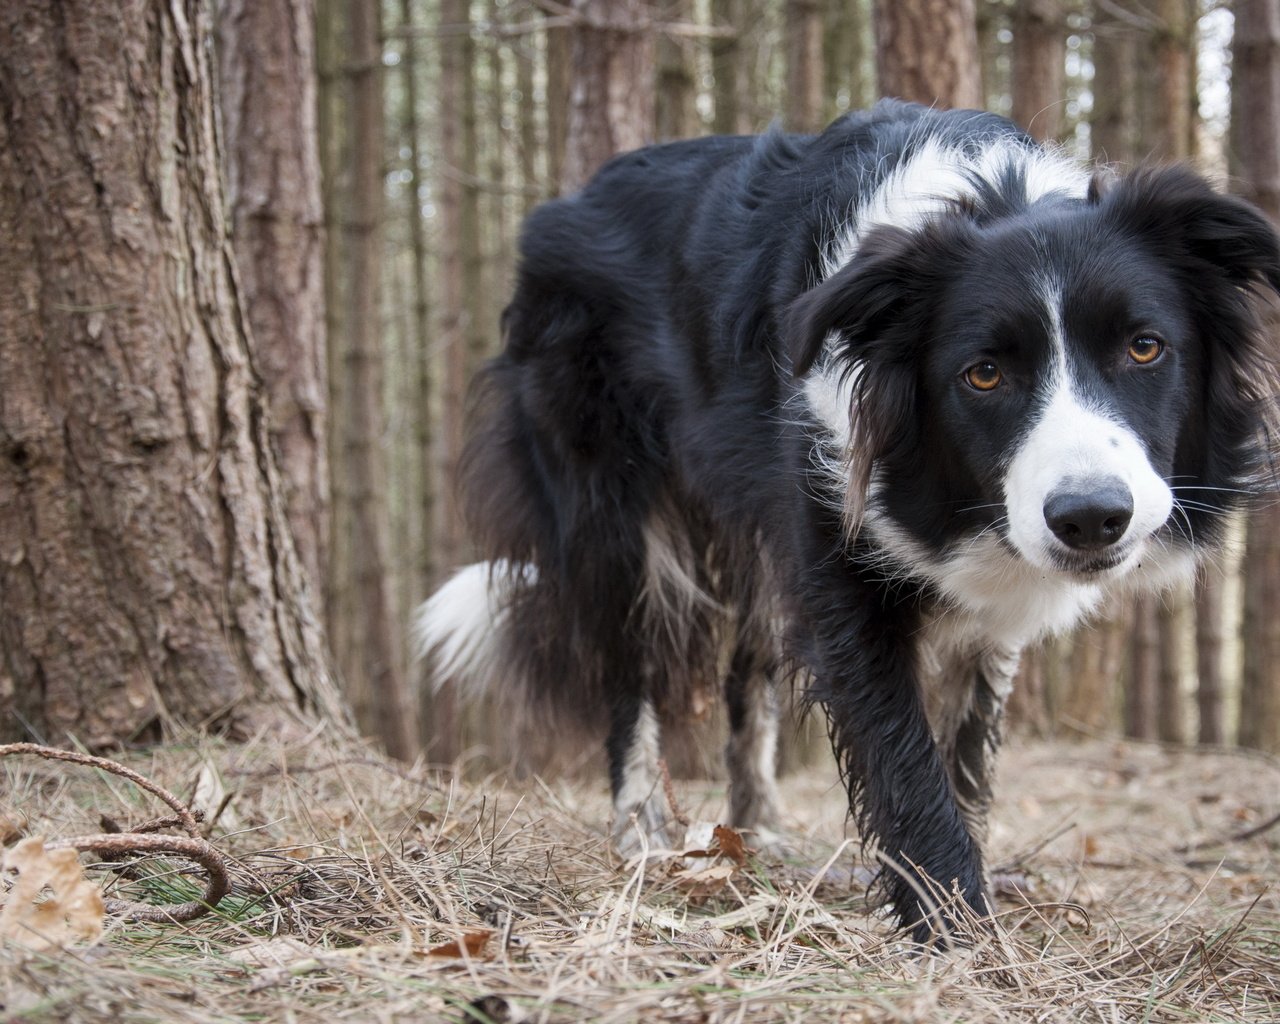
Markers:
(657, 346)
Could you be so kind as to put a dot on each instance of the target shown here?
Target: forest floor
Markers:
(364, 891)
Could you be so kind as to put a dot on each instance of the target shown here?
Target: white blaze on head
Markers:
(1077, 455)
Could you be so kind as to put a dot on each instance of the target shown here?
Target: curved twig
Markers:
(143, 840)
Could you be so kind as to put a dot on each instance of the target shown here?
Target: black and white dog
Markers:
(882, 405)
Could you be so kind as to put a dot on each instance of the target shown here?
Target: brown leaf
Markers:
(13, 827)
(51, 904)
(730, 844)
(701, 883)
(472, 942)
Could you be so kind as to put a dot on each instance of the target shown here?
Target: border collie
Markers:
(881, 406)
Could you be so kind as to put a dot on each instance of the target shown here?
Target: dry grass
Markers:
(353, 875)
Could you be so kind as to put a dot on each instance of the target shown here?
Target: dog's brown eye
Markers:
(983, 376)
(1145, 350)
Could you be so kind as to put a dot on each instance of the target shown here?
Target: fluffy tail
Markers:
(462, 629)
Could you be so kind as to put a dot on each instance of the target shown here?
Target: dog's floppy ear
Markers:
(856, 301)
(1225, 251)
(878, 305)
(1222, 233)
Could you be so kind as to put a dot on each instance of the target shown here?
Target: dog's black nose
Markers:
(1089, 518)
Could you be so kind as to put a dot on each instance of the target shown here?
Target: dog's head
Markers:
(1084, 378)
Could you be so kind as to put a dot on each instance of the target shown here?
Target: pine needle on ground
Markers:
(367, 891)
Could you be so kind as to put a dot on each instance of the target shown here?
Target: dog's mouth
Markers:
(1092, 564)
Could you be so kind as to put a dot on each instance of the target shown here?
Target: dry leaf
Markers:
(13, 826)
(700, 883)
(731, 845)
(50, 903)
(473, 942)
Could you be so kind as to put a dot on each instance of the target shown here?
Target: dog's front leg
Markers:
(862, 657)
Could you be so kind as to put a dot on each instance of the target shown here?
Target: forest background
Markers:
(251, 273)
(252, 253)
(491, 107)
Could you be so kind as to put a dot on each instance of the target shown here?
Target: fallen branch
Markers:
(1238, 837)
(143, 840)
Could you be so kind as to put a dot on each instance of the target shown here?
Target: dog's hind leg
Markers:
(639, 800)
(751, 694)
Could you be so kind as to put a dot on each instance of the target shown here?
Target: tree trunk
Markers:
(559, 60)
(728, 69)
(843, 55)
(1209, 647)
(804, 65)
(927, 51)
(1093, 678)
(1171, 705)
(267, 92)
(677, 92)
(147, 572)
(369, 649)
(1174, 96)
(1255, 131)
(528, 132)
(611, 104)
(420, 314)
(458, 257)
(1143, 687)
(1115, 86)
(1039, 66)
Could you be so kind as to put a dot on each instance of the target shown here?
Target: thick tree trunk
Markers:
(1039, 66)
(611, 104)
(927, 51)
(267, 94)
(147, 572)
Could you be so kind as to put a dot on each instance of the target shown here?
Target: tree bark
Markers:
(803, 27)
(1115, 86)
(369, 649)
(1174, 50)
(559, 59)
(1143, 688)
(728, 69)
(676, 114)
(267, 94)
(1171, 705)
(927, 51)
(420, 314)
(1209, 648)
(843, 55)
(1255, 131)
(147, 572)
(1039, 67)
(611, 104)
